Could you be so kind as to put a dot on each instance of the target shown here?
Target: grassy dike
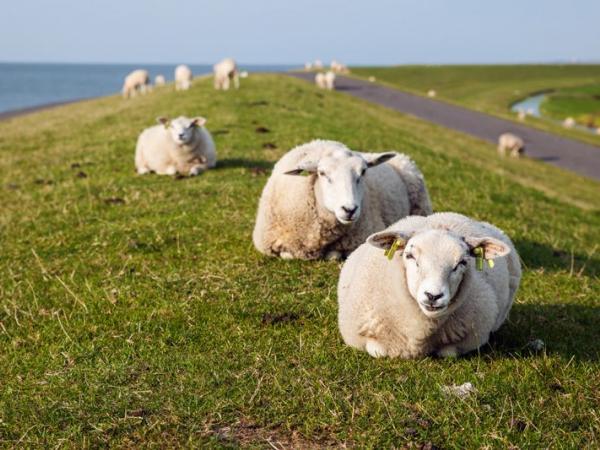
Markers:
(493, 89)
(134, 311)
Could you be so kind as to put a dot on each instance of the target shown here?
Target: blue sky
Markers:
(282, 31)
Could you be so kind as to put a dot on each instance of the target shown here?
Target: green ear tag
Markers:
(490, 263)
(478, 258)
(393, 249)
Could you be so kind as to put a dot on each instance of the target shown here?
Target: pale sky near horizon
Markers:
(279, 31)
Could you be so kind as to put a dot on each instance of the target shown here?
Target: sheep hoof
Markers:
(196, 170)
(375, 349)
(143, 170)
(286, 255)
(450, 351)
(171, 170)
(334, 255)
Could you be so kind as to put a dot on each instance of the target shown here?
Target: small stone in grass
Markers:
(461, 391)
(537, 345)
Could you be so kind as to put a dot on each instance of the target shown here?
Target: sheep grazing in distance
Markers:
(320, 80)
(569, 122)
(508, 142)
(522, 115)
(598, 130)
(180, 145)
(183, 77)
(431, 93)
(160, 80)
(428, 285)
(343, 197)
(339, 67)
(136, 81)
(330, 80)
(372, 79)
(244, 74)
(225, 72)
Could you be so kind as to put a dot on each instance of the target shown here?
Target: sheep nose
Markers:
(432, 298)
(350, 210)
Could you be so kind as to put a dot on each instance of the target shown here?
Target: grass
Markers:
(135, 311)
(582, 103)
(493, 89)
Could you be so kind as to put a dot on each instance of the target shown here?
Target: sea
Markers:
(29, 85)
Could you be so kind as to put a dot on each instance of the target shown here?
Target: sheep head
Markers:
(435, 262)
(182, 128)
(339, 186)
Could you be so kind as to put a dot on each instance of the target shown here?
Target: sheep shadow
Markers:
(347, 88)
(232, 163)
(572, 331)
(536, 255)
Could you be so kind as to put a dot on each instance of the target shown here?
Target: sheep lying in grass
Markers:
(508, 142)
(569, 122)
(180, 145)
(160, 80)
(431, 93)
(183, 77)
(344, 197)
(136, 81)
(320, 80)
(432, 291)
(225, 72)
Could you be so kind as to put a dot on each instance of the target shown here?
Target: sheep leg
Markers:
(196, 170)
(170, 170)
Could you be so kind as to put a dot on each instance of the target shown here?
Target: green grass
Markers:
(135, 311)
(582, 103)
(492, 89)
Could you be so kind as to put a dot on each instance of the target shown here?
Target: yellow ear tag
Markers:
(490, 263)
(478, 258)
(393, 249)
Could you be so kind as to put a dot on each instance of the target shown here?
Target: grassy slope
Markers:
(581, 103)
(154, 321)
(492, 89)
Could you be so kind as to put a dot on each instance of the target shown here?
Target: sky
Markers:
(292, 32)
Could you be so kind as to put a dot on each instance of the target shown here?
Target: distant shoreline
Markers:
(5, 115)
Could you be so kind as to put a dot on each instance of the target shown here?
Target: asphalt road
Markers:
(565, 153)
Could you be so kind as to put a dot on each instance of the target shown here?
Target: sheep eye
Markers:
(321, 173)
(462, 262)
(409, 256)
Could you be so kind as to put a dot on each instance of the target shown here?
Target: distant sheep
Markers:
(522, 115)
(180, 145)
(372, 79)
(183, 78)
(339, 67)
(318, 65)
(569, 122)
(320, 80)
(508, 142)
(431, 93)
(330, 80)
(344, 197)
(444, 283)
(136, 81)
(160, 80)
(225, 72)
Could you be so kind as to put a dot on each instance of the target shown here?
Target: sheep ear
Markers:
(198, 121)
(375, 160)
(492, 247)
(163, 120)
(303, 168)
(385, 240)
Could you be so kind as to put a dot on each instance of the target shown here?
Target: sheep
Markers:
(344, 197)
(569, 122)
(183, 77)
(522, 115)
(159, 80)
(431, 93)
(512, 143)
(330, 80)
(430, 292)
(136, 81)
(225, 72)
(338, 67)
(318, 64)
(598, 130)
(180, 145)
(372, 79)
(320, 80)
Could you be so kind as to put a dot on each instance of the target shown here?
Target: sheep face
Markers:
(435, 263)
(182, 129)
(339, 186)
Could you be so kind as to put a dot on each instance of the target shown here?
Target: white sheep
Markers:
(372, 79)
(511, 143)
(225, 72)
(337, 66)
(428, 285)
(522, 115)
(598, 130)
(136, 81)
(569, 122)
(320, 80)
(160, 80)
(183, 77)
(180, 145)
(318, 64)
(344, 197)
(431, 93)
(330, 80)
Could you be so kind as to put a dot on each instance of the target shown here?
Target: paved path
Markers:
(559, 151)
